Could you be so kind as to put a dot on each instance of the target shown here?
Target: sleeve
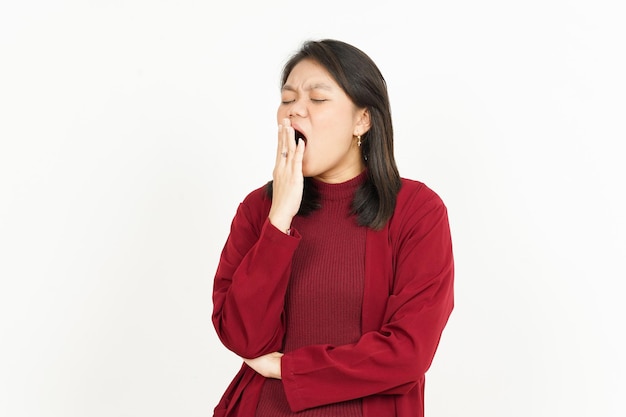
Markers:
(393, 359)
(250, 284)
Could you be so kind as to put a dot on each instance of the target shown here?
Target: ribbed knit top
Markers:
(325, 294)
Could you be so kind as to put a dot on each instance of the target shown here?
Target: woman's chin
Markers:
(306, 170)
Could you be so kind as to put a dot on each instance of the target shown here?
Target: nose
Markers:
(297, 108)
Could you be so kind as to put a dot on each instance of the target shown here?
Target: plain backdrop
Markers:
(131, 130)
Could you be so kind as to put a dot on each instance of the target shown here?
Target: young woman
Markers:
(336, 280)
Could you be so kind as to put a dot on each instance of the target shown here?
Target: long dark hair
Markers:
(360, 78)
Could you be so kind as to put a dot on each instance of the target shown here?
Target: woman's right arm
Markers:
(254, 268)
(250, 284)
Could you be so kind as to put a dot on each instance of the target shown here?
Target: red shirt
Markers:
(324, 298)
(408, 298)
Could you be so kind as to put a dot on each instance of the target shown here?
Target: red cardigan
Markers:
(407, 301)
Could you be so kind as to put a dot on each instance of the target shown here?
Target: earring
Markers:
(358, 140)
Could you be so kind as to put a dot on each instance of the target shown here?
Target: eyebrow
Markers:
(316, 86)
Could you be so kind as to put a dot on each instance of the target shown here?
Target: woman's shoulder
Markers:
(258, 196)
(255, 205)
(416, 200)
(417, 206)
(415, 192)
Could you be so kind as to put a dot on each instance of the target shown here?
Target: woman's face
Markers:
(329, 121)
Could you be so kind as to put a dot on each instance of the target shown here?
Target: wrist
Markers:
(282, 225)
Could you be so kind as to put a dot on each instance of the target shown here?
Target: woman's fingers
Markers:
(299, 154)
(288, 178)
(286, 141)
(280, 149)
(267, 365)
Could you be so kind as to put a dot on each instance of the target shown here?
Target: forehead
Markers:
(308, 75)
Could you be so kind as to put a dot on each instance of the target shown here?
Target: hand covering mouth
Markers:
(300, 135)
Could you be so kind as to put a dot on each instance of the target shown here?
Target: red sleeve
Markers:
(250, 284)
(394, 358)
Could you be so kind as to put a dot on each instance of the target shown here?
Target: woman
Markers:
(336, 280)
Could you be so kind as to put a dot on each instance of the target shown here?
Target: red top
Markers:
(325, 293)
(407, 299)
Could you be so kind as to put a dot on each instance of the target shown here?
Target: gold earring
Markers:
(358, 140)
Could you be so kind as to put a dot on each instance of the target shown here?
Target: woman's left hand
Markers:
(266, 365)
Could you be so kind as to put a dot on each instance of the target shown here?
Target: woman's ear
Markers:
(363, 122)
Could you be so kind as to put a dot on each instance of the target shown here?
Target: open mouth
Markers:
(300, 135)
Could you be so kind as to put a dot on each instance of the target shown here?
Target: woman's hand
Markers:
(266, 365)
(288, 179)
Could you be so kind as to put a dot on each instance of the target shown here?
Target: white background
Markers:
(130, 131)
